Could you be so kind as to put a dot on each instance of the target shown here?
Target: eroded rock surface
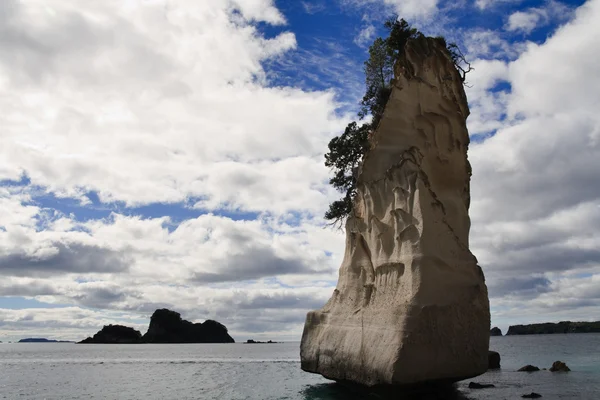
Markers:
(411, 303)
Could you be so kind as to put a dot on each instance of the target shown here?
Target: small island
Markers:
(166, 326)
(115, 334)
(551, 328)
(42, 340)
(495, 331)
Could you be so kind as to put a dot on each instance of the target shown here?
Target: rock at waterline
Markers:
(475, 385)
(528, 368)
(411, 304)
(114, 334)
(252, 341)
(532, 395)
(559, 366)
(167, 326)
(495, 331)
(493, 360)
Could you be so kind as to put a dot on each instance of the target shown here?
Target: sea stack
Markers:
(411, 304)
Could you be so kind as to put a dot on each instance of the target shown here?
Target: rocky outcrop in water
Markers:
(559, 366)
(476, 385)
(549, 328)
(528, 368)
(495, 331)
(532, 395)
(493, 360)
(114, 334)
(252, 341)
(166, 326)
(411, 302)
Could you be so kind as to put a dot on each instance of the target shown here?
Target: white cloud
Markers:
(489, 44)
(523, 21)
(145, 103)
(197, 267)
(408, 9)
(312, 7)
(365, 36)
(151, 103)
(486, 4)
(259, 10)
(535, 191)
(532, 18)
(487, 106)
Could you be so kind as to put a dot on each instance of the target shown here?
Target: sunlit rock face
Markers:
(411, 304)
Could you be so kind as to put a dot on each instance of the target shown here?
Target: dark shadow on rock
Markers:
(337, 391)
(493, 360)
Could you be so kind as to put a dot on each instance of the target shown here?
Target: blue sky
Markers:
(169, 153)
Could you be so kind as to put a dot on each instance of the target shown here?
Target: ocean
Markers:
(269, 371)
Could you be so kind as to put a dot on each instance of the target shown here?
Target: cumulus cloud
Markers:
(65, 323)
(60, 258)
(161, 103)
(255, 263)
(139, 109)
(523, 21)
(536, 208)
(158, 104)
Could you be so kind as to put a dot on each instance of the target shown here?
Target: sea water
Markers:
(269, 371)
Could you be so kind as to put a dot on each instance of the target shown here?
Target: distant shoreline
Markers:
(563, 327)
(43, 340)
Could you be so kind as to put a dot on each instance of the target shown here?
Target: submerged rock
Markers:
(411, 303)
(559, 366)
(532, 395)
(493, 360)
(528, 368)
(475, 385)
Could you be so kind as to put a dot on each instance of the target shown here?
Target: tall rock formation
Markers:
(411, 303)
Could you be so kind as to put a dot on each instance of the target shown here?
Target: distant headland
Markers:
(43, 340)
(166, 326)
(549, 328)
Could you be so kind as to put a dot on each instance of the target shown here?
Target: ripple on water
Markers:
(268, 372)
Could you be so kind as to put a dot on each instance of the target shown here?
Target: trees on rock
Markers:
(347, 150)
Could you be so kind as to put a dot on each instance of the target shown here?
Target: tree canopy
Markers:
(347, 150)
(345, 154)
